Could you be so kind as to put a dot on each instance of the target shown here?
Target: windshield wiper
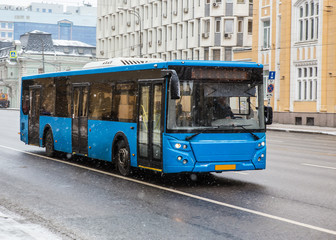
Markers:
(243, 127)
(228, 125)
(194, 135)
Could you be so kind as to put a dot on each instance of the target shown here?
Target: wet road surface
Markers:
(294, 198)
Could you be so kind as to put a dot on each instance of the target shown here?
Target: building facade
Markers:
(75, 23)
(296, 39)
(36, 52)
(174, 29)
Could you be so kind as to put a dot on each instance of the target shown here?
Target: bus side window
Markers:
(25, 96)
(124, 102)
(63, 98)
(100, 102)
(47, 97)
(25, 102)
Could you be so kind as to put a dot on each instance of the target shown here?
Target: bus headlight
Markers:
(179, 158)
(178, 145)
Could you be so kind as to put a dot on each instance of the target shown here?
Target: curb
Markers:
(12, 109)
(301, 131)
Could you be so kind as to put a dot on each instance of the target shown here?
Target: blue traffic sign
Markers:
(271, 75)
(270, 88)
(13, 54)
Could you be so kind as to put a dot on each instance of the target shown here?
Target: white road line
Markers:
(332, 232)
(318, 166)
(276, 141)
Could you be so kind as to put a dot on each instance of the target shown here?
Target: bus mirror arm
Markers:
(174, 83)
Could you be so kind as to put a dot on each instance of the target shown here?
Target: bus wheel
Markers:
(123, 159)
(49, 144)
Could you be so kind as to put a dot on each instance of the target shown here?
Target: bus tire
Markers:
(49, 144)
(123, 159)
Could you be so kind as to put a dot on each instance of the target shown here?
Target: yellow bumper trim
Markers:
(154, 169)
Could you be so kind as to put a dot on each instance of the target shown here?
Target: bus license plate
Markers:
(225, 167)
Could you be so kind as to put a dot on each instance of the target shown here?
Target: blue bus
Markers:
(166, 116)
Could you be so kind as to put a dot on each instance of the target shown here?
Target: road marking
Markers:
(276, 141)
(266, 215)
(318, 166)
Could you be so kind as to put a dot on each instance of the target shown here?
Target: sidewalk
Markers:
(302, 129)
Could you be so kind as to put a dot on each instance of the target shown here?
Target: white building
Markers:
(37, 53)
(173, 29)
(73, 23)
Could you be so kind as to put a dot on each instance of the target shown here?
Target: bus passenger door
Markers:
(34, 115)
(80, 96)
(150, 126)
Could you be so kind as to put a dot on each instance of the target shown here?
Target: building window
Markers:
(206, 26)
(3, 25)
(216, 54)
(49, 10)
(306, 84)
(218, 24)
(3, 34)
(65, 30)
(308, 17)
(267, 35)
(240, 26)
(228, 26)
(250, 27)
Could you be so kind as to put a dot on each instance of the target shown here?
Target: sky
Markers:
(64, 2)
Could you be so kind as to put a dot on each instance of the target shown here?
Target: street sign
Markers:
(271, 75)
(270, 88)
(12, 54)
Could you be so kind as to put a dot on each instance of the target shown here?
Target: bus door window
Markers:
(143, 121)
(84, 108)
(76, 95)
(150, 124)
(80, 117)
(34, 115)
(156, 123)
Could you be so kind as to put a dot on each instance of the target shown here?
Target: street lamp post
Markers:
(137, 14)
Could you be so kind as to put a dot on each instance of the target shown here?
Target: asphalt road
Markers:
(294, 198)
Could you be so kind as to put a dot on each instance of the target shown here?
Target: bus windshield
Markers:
(216, 105)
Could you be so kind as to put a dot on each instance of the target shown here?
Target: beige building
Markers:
(297, 40)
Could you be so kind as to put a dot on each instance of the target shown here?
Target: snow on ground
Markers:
(14, 227)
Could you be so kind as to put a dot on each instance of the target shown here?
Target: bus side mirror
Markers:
(174, 83)
(174, 87)
(268, 115)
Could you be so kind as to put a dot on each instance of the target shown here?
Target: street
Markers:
(294, 198)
